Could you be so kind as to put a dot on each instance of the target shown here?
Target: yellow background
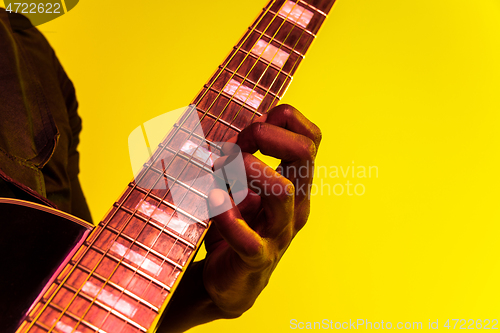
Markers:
(411, 87)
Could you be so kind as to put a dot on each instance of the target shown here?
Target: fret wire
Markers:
(170, 150)
(98, 231)
(321, 25)
(69, 314)
(273, 66)
(238, 48)
(156, 253)
(135, 270)
(54, 293)
(225, 94)
(117, 236)
(300, 27)
(117, 286)
(208, 109)
(108, 308)
(41, 325)
(166, 231)
(283, 44)
(78, 292)
(184, 196)
(120, 233)
(196, 135)
(108, 220)
(222, 121)
(131, 267)
(219, 94)
(242, 42)
(240, 45)
(167, 203)
(296, 62)
(159, 227)
(61, 284)
(121, 203)
(246, 56)
(149, 250)
(94, 300)
(96, 265)
(314, 8)
(270, 62)
(251, 82)
(177, 208)
(151, 167)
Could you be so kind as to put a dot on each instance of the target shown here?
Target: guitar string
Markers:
(200, 171)
(282, 45)
(158, 236)
(176, 179)
(269, 65)
(246, 77)
(278, 30)
(294, 65)
(174, 211)
(193, 130)
(89, 274)
(293, 48)
(183, 198)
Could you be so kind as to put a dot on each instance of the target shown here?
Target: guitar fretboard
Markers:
(121, 279)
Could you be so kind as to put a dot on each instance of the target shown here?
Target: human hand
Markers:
(248, 240)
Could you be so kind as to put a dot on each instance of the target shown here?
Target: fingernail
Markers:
(216, 198)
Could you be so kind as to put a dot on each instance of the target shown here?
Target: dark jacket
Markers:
(39, 124)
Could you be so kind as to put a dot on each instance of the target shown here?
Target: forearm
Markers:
(191, 305)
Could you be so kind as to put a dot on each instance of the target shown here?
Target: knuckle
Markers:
(268, 263)
(256, 128)
(286, 111)
(254, 251)
(285, 238)
(287, 191)
(309, 150)
(317, 135)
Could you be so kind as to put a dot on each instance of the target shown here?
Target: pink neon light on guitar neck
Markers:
(122, 277)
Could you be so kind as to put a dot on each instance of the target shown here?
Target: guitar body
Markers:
(35, 243)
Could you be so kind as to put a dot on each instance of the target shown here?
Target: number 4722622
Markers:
(485, 324)
(34, 8)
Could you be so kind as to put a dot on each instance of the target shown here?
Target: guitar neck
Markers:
(122, 277)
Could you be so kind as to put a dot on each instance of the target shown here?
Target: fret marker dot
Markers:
(297, 14)
(136, 258)
(270, 53)
(109, 299)
(243, 93)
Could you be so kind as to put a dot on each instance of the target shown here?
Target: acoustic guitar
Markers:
(118, 277)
